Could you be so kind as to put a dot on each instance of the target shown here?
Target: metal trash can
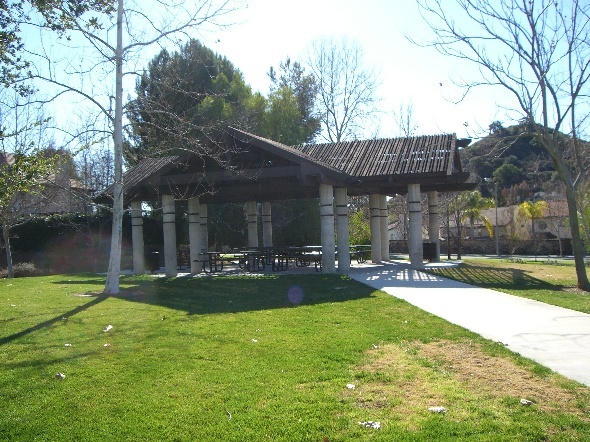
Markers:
(429, 251)
(152, 261)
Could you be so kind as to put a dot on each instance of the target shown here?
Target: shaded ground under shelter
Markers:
(251, 169)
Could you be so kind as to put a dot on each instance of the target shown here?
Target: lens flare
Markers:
(295, 294)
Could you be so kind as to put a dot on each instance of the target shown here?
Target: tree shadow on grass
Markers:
(49, 322)
(494, 278)
(199, 296)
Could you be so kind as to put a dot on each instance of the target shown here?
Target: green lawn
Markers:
(260, 358)
(549, 281)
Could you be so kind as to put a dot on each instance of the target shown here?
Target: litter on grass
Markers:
(371, 424)
(60, 376)
(350, 386)
(437, 409)
(526, 402)
(107, 328)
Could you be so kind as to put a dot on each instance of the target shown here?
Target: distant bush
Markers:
(21, 270)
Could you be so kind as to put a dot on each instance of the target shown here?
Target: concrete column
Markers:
(204, 232)
(194, 235)
(384, 232)
(341, 201)
(415, 231)
(434, 222)
(252, 217)
(169, 215)
(374, 210)
(137, 238)
(327, 228)
(266, 224)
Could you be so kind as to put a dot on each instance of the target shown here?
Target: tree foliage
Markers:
(471, 205)
(183, 99)
(23, 177)
(532, 210)
(291, 116)
(359, 228)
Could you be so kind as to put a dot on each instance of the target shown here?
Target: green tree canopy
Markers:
(532, 210)
(471, 205)
(293, 96)
(183, 98)
(508, 175)
(23, 177)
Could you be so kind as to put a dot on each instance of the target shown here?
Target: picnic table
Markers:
(301, 256)
(256, 259)
(360, 253)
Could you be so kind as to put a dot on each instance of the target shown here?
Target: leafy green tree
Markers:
(290, 118)
(281, 117)
(471, 205)
(99, 50)
(532, 210)
(292, 87)
(23, 177)
(359, 228)
(508, 175)
(184, 98)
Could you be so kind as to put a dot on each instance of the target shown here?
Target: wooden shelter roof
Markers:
(256, 168)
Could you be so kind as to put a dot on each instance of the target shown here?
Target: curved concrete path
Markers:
(555, 337)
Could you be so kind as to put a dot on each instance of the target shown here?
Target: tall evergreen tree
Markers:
(291, 119)
(292, 104)
(183, 98)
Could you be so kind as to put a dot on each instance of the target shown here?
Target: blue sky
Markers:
(266, 32)
(269, 30)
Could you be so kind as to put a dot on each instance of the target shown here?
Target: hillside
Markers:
(511, 156)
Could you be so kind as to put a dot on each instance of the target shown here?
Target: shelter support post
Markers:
(204, 234)
(194, 235)
(383, 223)
(252, 217)
(266, 224)
(415, 231)
(434, 222)
(327, 228)
(342, 233)
(137, 238)
(375, 224)
(169, 215)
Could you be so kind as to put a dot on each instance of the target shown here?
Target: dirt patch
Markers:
(408, 379)
(496, 376)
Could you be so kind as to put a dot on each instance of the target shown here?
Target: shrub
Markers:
(21, 270)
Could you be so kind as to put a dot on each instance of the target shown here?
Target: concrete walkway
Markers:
(555, 337)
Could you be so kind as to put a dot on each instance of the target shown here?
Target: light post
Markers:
(490, 180)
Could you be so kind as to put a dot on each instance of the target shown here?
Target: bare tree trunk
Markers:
(6, 235)
(577, 245)
(459, 234)
(112, 282)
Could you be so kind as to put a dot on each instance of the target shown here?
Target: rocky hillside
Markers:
(511, 156)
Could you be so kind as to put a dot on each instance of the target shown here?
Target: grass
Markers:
(260, 358)
(553, 282)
